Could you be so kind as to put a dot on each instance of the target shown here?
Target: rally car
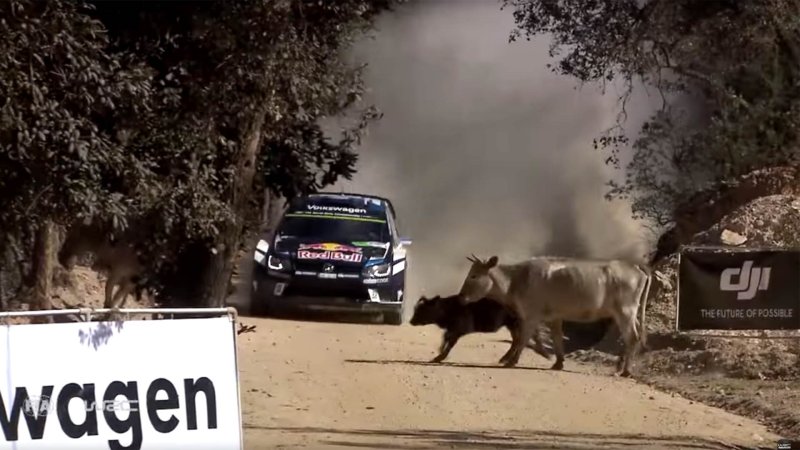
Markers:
(333, 252)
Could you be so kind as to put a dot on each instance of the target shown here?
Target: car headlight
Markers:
(276, 263)
(260, 255)
(379, 270)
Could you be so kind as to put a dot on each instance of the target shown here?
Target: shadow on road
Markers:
(320, 316)
(449, 364)
(414, 439)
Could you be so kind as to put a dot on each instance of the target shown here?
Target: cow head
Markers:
(427, 311)
(478, 282)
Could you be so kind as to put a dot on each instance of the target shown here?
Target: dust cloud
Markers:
(484, 150)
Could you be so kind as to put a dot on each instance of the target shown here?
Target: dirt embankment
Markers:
(753, 376)
(81, 287)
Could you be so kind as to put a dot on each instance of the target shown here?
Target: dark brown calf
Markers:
(488, 316)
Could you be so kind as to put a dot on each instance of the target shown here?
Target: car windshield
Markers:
(334, 229)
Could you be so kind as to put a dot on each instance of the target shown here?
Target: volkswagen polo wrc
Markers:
(334, 252)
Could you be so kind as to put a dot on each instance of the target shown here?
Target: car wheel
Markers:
(259, 303)
(258, 308)
(393, 317)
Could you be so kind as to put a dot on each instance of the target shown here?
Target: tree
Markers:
(62, 93)
(160, 121)
(740, 60)
(252, 79)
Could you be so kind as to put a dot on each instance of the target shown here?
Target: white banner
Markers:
(140, 384)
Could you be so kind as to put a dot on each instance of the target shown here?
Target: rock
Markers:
(733, 238)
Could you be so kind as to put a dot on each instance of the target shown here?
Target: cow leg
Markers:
(115, 301)
(448, 342)
(626, 321)
(557, 334)
(515, 330)
(538, 347)
(620, 360)
(526, 332)
(124, 290)
(619, 319)
(110, 283)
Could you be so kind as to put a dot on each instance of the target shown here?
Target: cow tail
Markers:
(645, 295)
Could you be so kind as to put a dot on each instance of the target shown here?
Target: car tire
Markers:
(259, 308)
(259, 303)
(393, 317)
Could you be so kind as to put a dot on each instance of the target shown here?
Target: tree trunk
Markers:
(43, 257)
(3, 265)
(218, 273)
(274, 211)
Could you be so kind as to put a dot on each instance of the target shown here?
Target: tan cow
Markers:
(554, 289)
(118, 260)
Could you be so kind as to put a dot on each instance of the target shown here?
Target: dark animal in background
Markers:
(488, 316)
(118, 260)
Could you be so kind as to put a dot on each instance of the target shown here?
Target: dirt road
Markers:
(336, 385)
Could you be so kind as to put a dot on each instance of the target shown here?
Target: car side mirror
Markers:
(405, 242)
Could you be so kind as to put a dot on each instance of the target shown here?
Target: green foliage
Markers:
(234, 63)
(739, 60)
(61, 95)
(137, 114)
(237, 59)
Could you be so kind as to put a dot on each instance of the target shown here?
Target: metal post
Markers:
(88, 313)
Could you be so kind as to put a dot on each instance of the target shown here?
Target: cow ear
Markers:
(491, 262)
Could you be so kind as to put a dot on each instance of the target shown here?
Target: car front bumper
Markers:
(332, 304)
(374, 299)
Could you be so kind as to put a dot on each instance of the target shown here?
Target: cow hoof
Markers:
(510, 363)
(625, 374)
(557, 366)
(436, 360)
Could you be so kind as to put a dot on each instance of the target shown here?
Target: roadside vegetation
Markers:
(168, 124)
(720, 155)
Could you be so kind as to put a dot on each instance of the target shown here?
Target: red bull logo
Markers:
(330, 247)
(328, 251)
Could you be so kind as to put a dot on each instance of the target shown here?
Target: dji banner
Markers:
(738, 289)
